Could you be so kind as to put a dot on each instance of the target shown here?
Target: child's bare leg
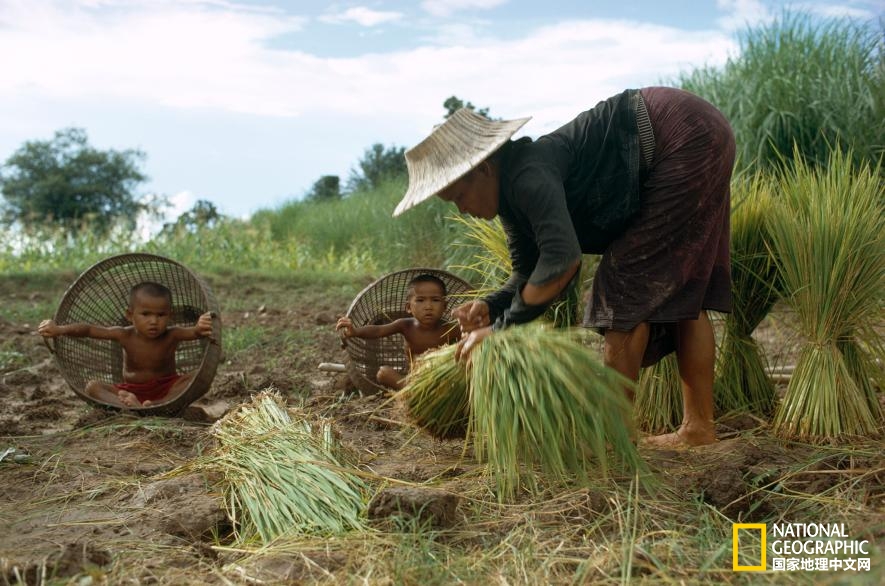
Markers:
(111, 395)
(695, 353)
(390, 378)
(175, 390)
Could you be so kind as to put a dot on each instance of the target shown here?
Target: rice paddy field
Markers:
(288, 475)
(106, 498)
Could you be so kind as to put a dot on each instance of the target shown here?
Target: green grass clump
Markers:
(436, 394)
(283, 476)
(539, 397)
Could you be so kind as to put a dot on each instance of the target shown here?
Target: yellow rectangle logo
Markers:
(735, 543)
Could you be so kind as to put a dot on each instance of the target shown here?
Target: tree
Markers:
(327, 187)
(453, 104)
(377, 165)
(67, 181)
(204, 214)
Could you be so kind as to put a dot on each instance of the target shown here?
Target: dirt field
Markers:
(93, 502)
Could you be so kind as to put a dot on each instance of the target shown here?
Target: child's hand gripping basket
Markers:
(100, 296)
(384, 301)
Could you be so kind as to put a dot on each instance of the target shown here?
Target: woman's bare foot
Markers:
(128, 399)
(682, 438)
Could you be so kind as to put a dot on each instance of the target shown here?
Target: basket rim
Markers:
(212, 353)
(416, 271)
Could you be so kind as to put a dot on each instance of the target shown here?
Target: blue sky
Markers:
(246, 103)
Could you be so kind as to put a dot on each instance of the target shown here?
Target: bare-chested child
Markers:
(425, 330)
(149, 373)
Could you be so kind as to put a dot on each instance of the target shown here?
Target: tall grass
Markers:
(361, 226)
(802, 80)
(828, 236)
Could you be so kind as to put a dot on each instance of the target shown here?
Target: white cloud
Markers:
(840, 11)
(148, 226)
(742, 13)
(200, 56)
(362, 16)
(449, 7)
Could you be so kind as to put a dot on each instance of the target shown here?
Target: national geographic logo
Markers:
(797, 547)
(752, 550)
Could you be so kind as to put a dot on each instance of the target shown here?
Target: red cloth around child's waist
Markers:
(152, 390)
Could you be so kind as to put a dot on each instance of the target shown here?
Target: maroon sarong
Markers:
(673, 260)
(153, 390)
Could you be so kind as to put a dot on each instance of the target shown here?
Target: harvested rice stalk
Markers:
(658, 404)
(741, 379)
(283, 476)
(828, 235)
(435, 394)
(538, 396)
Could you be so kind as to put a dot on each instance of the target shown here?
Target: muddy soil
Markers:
(90, 486)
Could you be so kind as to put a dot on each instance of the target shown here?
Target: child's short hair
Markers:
(426, 278)
(150, 289)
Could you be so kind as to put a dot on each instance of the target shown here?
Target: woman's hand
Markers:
(472, 316)
(473, 339)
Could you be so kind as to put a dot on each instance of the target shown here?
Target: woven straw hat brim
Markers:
(453, 148)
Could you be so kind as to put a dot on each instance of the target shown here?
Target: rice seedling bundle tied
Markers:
(828, 232)
(283, 476)
(741, 379)
(436, 394)
(539, 397)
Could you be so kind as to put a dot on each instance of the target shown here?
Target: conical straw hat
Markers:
(453, 148)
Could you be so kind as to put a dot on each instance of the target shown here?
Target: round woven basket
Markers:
(384, 301)
(100, 296)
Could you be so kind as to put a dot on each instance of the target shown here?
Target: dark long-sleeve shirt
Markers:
(570, 192)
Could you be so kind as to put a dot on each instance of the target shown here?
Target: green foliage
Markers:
(801, 80)
(67, 181)
(378, 165)
(453, 104)
(204, 214)
(325, 188)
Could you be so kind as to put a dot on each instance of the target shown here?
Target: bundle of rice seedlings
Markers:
(828, 234)
(435, 394)
(283, 476)
(539, 397)
(741, 380)
(488, 257)
(483, 252)
(658, 403)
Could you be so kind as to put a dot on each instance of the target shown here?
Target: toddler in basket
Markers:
(149, 343)
(424, 330)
